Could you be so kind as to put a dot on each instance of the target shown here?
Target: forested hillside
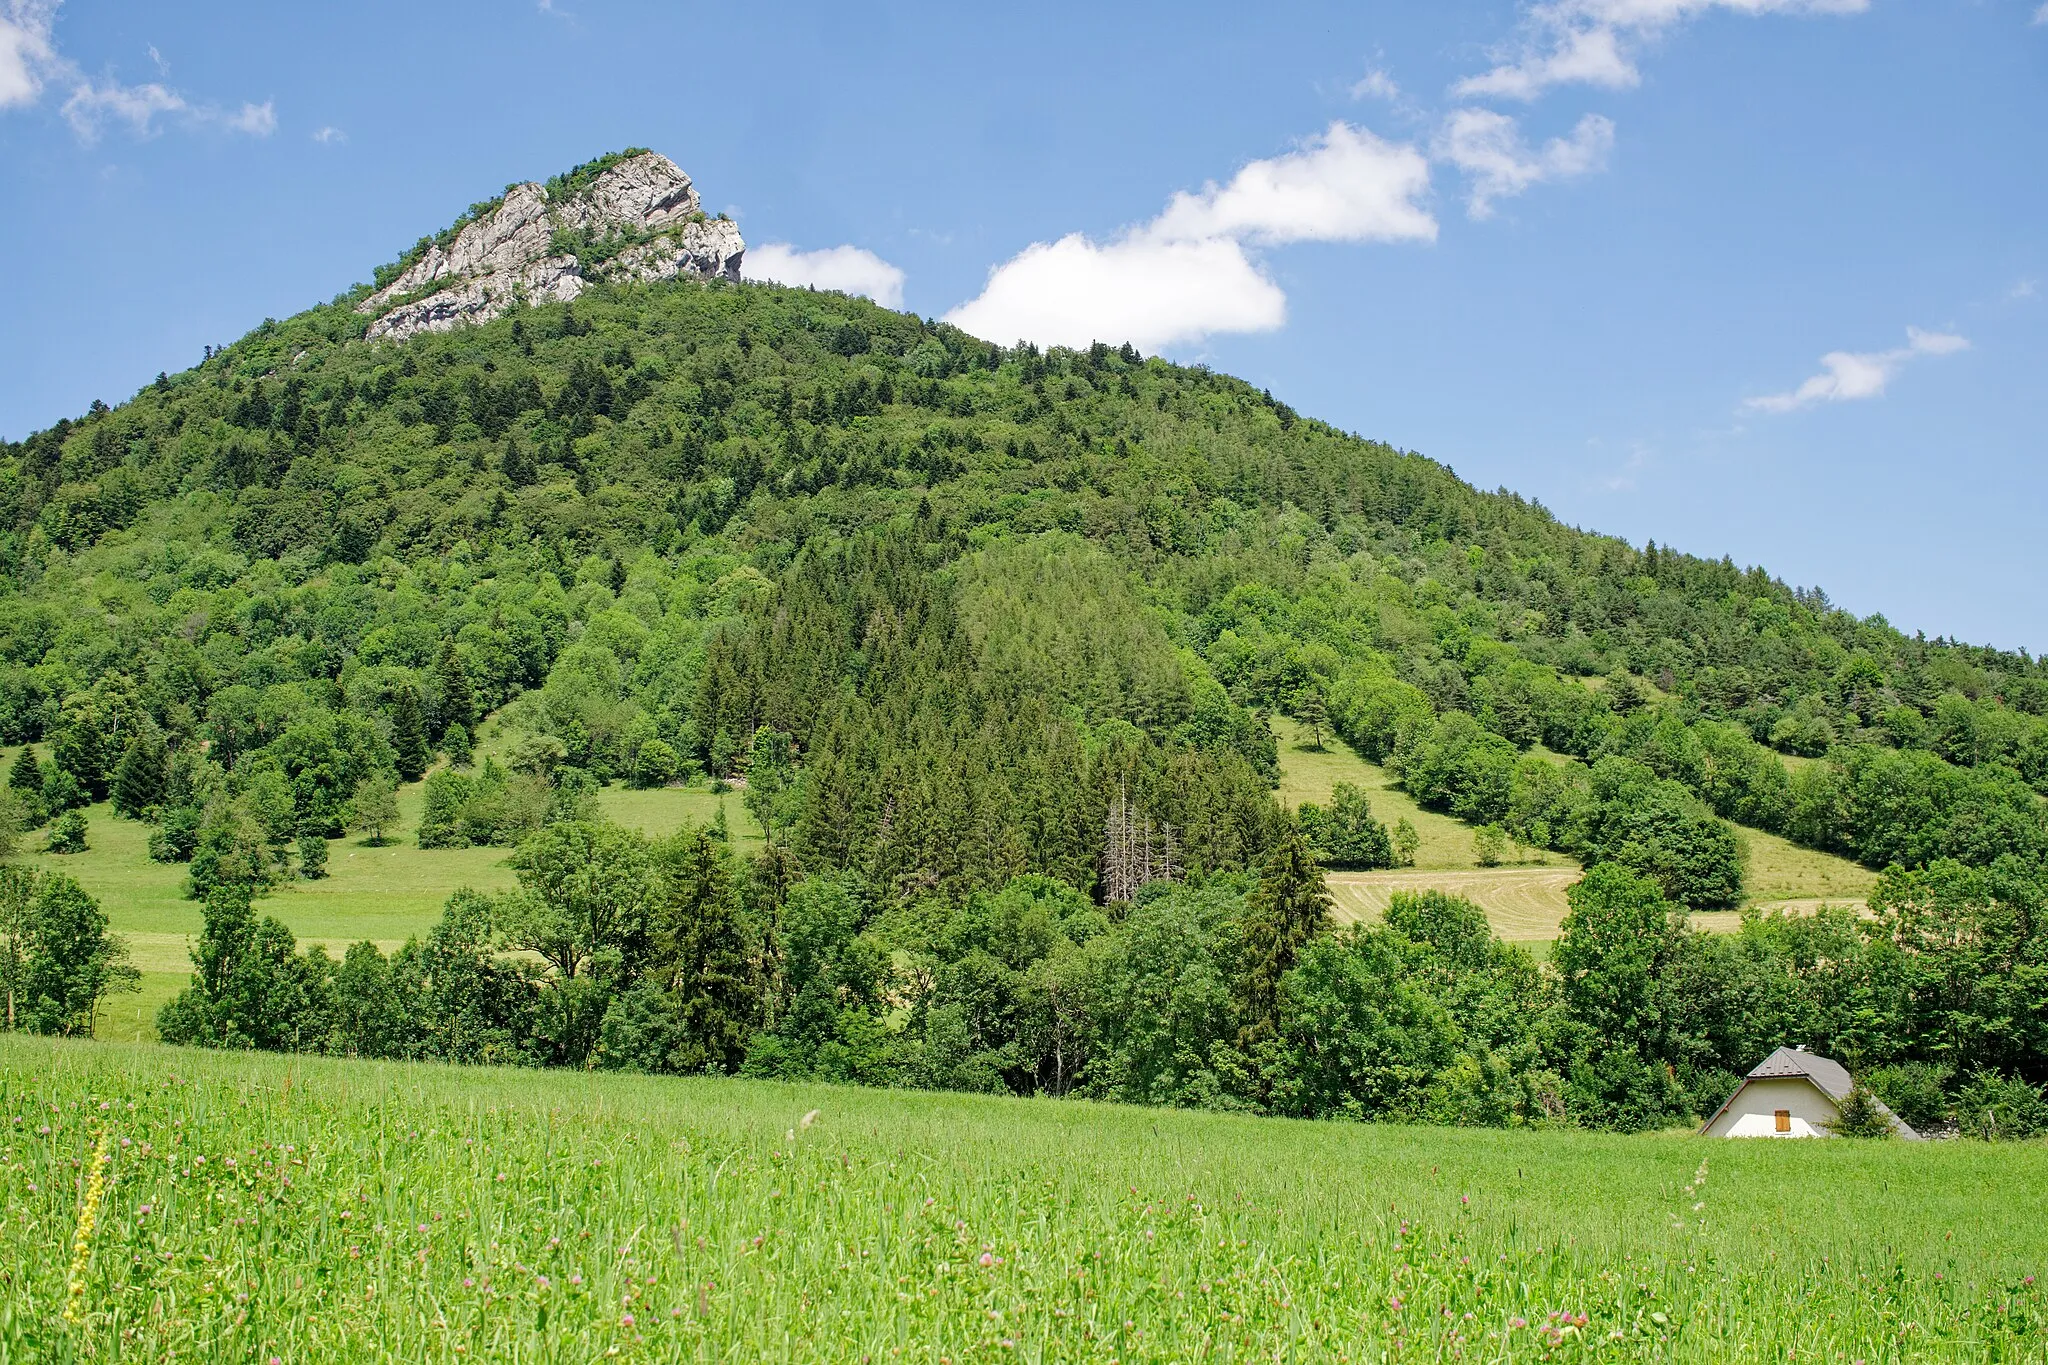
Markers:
(990, 635)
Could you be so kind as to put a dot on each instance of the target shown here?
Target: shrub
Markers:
(1915, 1091)
(175, 839)
(312, 856)
(656, 765)
(1995, 1108)
(68, 834)
(1861, 1116)
(1346, 835)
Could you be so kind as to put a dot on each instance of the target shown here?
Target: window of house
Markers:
(1784, 1120)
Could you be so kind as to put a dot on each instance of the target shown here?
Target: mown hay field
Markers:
(1525, 902)
(257, 1208)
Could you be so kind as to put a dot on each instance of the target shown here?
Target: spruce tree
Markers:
(1290, 906)
(141, 777)
(516, 465)
(711, 957)
(26, 776)
(451, 680)
(409, 748)
(25, 779)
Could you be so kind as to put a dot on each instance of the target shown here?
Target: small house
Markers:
(1792, 1093)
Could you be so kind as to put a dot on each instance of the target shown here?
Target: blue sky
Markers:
(1766, 278)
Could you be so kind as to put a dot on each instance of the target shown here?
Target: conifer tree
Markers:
(710, 953)
(26, 776)
(409, 747)
(451, 680)
(516, 464)
(1313, 715)
(25, 779)
(141, 777)
(1290, 907)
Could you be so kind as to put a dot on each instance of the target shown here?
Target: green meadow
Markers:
(1524, 899)
(289, 1209)
(384, 893)
(391, 892)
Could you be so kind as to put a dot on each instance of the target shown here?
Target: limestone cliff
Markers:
(638, 218)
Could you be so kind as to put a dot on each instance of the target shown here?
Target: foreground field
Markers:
(263, 1208)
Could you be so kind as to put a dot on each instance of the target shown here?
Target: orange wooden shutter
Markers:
(1784, 1117)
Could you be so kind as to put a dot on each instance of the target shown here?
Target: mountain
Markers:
(630, 216)
(994, 636)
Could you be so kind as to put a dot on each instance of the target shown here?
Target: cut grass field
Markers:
(300, 1209)
(1524, 903)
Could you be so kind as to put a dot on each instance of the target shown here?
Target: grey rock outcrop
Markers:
(639, 219)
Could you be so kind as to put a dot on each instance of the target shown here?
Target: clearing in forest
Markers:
(384, 894)
(1525, 902)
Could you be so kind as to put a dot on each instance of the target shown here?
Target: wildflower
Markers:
(987, 1259)
(88, 1219)
(625, 1319)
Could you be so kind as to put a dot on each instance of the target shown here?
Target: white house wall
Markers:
(1754, 1110)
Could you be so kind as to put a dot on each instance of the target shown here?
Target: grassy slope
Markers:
(1525, 903)
(391, 893)
(696, 1219)
(385, 894)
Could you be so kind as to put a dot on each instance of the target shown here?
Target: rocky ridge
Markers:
(637, 219)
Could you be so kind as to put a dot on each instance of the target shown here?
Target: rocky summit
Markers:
(632, 217)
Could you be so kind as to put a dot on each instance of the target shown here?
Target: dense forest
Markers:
(991, 637)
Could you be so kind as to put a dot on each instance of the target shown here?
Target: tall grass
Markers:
(262, 1208)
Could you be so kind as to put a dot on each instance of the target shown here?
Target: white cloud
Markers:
(1141, 289)
(1849, 375)
(2041, 15)
(2023, 289)
(848, 269)
(329, 134)
(1489, 148)
(25, 50)
(1345, 186)
(257, 120)
(1186, 275)
(1594, 42)
(91, 106)
(29, 62)
(1377, 85)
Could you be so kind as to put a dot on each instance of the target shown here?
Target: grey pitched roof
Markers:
(1825, 1074)
(1831, 1076)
